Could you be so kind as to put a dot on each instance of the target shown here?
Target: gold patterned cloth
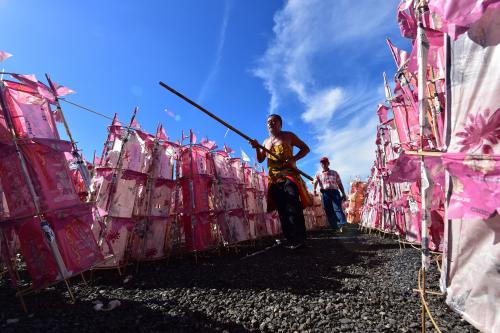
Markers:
(278, 173)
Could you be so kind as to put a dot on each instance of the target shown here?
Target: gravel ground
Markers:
(347, 282)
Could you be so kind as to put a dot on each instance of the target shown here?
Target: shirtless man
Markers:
(287, 191)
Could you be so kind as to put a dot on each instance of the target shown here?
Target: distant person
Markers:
(332, 194)
(287, 191)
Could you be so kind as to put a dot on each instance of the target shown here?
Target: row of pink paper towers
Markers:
(157, 194)
(144, 197)
(436, 178)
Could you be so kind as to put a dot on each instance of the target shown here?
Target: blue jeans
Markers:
(332, 203)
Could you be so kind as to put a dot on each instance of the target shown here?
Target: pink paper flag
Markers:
(209, 144)
(400, 56)
(135, 124)
(192, 137)
(4, 55)
(63, 91)
(116, 121)
(160, 133)
(406, 19)
(227, 149)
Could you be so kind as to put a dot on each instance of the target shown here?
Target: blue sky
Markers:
(318, 63)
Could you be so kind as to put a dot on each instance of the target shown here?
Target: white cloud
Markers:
(323, 104)
(306, 30)
(339, 108)
(209, 81)
(351, 149)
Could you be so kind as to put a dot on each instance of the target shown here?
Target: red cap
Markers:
(324, 159)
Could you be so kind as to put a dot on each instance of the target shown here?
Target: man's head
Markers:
(274, 123)
(325, 163)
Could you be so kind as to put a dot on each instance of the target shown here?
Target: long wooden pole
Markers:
(232, 128)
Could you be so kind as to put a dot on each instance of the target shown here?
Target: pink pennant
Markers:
(228, 150)
(192, 137)
(400, 56)
(209, 144)
(160, 133)
(406, 19)
(135, 124)
(116, 121)
(4, 55)
(26, 77)
(63, 91)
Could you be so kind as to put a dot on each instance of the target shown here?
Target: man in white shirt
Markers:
(331, 188)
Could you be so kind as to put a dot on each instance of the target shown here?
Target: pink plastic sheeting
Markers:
(149, 240)
(382, 111)
(49, 173)
(196, 194)
(5, 135)
(16, 192)
(78, 247)
(407, 123)
(252, 203)
(406, 19)
(223, 168)
(195, 161)
(32, 82)
(162, 165)
(259, 222)
(237, 166)
(404, 169)
(251, 177)
(135, 156)
(476, 185)
(29, 111)
(470, 271)
(458, 15)
(74, 238)
(4, 209)
(199, 231)
(40, 262)
(234, 226)
(229, 197)
(158, 202)
(435, 57)
(273, 223)
(117, 234)
(118, 200)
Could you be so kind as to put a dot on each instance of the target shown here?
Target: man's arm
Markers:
(341, 187)
(259, 153)
(303, 148)
(315, 184)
